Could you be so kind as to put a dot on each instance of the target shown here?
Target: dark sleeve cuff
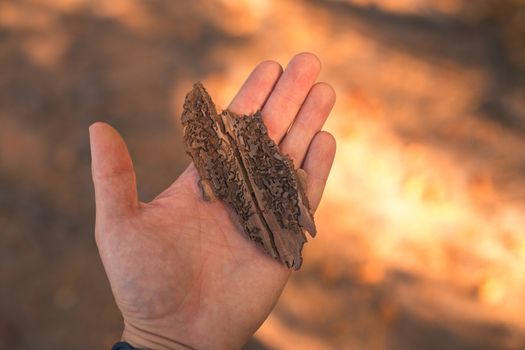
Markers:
(121, 345)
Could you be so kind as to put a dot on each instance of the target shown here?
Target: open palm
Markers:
(181, 271)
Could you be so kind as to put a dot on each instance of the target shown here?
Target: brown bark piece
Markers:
(239, 164)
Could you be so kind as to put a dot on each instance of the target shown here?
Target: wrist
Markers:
(144, 340)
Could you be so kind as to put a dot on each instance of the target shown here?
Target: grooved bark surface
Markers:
(239, 164)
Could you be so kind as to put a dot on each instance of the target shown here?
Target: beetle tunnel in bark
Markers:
(239, 164)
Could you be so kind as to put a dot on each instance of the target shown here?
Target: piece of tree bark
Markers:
(239, 164)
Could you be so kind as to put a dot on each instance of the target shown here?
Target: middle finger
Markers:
(289, 94)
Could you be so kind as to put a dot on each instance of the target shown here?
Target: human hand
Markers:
(181, 272)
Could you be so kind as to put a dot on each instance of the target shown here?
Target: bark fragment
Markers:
(239, 164)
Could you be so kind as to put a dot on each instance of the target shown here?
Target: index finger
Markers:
(256, 89)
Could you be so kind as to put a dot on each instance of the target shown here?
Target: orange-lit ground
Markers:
(422, 241)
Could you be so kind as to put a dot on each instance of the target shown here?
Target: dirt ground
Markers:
(421, 239)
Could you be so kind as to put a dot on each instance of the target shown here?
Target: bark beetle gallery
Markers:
(239, 164)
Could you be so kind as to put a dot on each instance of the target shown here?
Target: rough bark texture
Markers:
(239, 164)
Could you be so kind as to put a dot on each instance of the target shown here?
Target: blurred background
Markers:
(422, 241)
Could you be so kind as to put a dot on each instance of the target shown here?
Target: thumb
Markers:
(112, 171)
